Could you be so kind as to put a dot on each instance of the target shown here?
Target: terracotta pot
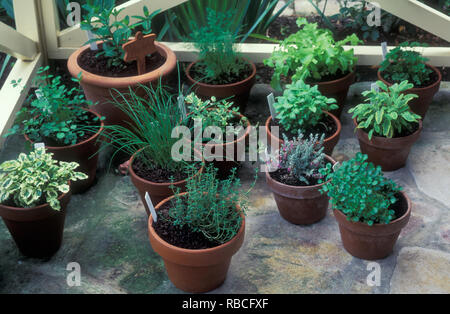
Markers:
(372, 242)
(196, 271)
(300, 205)
(420, 105)
(328, 144)
(84, 153)
(157, 191)
(389, 153)
(240, 90)
(337, 89)
(38, 231)
(97, 88)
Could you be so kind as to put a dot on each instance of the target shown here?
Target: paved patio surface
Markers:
(106, 232)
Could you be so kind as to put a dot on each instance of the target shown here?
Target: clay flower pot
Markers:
(196, 271)
(337, 89)
(421, 104)
(372, 242)
(84, 153)
(38, 231)
(240, 90)
(329, 143)
(157, 191)
(300, 205)
(389, 153)
(97, 88)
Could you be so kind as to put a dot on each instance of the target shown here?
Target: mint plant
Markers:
(35, 179)
(210, 205)
(302, 106)
(113, 31)
(386, 113)
(311, 54)
(219, 62)
(56, 115)
(360, 191)
(405, 64)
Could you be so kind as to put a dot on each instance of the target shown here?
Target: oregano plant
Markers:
(386, 112)
(359, 190)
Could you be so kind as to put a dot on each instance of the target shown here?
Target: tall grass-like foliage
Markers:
(153, 118)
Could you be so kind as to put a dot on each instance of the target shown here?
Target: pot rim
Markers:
(380, 77)
(344, 78)
(394, 140)
(168, 184)
(191, 251)
(328, 139)
(55, 148)
(308, 187)
(197, 83)
(121, 82)
(378, 225)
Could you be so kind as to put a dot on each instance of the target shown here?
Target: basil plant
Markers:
(35, 179)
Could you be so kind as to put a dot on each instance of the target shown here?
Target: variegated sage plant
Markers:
(35, 179)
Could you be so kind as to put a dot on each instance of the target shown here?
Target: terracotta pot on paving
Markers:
(196, 271)
(84, 153)
(421, 104)
(328, 144)
(389, 153)
(300, 205)
(372, 242)
(38, 231)
(239, 91)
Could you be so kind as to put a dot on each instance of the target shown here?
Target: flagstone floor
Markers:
(106, 232)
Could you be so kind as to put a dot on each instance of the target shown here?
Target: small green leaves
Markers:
(26, 180)
(386, 112)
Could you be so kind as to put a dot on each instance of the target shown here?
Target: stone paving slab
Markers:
(106, 232)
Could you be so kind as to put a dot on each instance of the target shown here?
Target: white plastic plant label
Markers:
(150, 206)
(375, 87)
(384, 49)
(182, 106)
(271, 101)
(39, 145)
(93, 44)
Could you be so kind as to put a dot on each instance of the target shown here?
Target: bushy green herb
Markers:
(311, 54)
(218, 57)
(57, 115)
(405, 64)
(302, 106)
(213, 113)
(36, 179)
(360, 191)
(107, 25)
(210, 207)
(386, 113)
(153, 118)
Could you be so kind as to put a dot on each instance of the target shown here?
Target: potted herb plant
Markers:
(294, 179)
(385, 126)
(303, 108)
(220, 70)
(314, 56)
(223, 131)
(403, 64)
(61, 119)
(371, 210)
(149, 142)
(105, 68)
(34, 193)
(197, 232)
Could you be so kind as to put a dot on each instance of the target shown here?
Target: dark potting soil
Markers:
(328, 78)
(89, 62)
(179, 237)
(283, 176)
(400, 207)
(198, 73)
(320, 128)
(156, 174)
(434, 77)
(87, 135)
